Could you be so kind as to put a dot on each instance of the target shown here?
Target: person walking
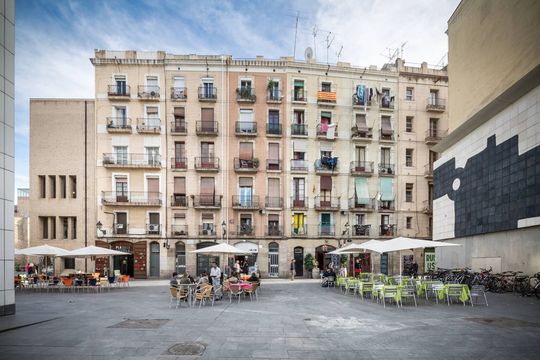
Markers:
(215, 275)
(293, 271)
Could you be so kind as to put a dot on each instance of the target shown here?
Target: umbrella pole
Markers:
(400, 271)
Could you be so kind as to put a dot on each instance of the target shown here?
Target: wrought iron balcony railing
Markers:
(361, 230)
(362, 168)
(206, 201)
(327, 203)
(245, 94)
(274, 202)
(207, 128)
(436, 104)
(178, 93)
(299, 129)
(207, 93)
(207, 163)
(131, 160)
(242, 202)
(387, 169)
(246, 165)
(299, 165)
(140, 198)
(273, 129)
(273, 230)
(179, 163)
(150, 92)
(178, 127)
(273, 96)
(246, 128)
(179, 200)
(118, 91)
(179, 230)
(387, 230)
(361, 205)
(148, 125)
(118, 124)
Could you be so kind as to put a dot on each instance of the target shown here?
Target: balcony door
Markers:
(273, 225)
(433, 97)
(152, 155)
(121, 155)
(120, 82)
(207, 154)
(152, 117)
(207, 191)
(207, 119)
(121, 223)
(246, 191)
(274, 193)
(152, 85)
(180, 155)
(298, 224)
(299, 192)
(326, 224)
(120, 113)
(121, 188)
(246, 225)
(433, 126)
(153, 189)
(273, 122)
(385, 157)
(208, 89)
(273, 156)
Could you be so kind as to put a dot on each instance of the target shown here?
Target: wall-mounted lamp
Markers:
(99, 226)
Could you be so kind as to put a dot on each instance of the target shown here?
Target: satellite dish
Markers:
(308, 54)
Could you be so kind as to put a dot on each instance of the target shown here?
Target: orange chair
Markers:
(68, 283)
(125, 280)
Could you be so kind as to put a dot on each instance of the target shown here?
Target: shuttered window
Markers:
(246, 150)
(179, 185)
(326, 183)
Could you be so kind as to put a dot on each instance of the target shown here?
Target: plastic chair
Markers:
(252, 291)
(408, 292)
(455, 291)
(235, 291)
(390, 292)
(67, 283)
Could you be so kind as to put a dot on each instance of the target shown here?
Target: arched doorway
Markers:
(180, 252)
(204, 261)
(321, 255)
(248, 263)
(299, 260)
(273, 259)
(154, 259)
(123, 263)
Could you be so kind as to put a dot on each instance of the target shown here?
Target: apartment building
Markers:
(62, 153)
(7, 155)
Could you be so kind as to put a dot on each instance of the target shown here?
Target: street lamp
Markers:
(99, 226)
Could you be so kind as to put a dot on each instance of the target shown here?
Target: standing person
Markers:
(414, 269)
(31, 268)
(293, 271)
(357, 267)
(245, 268)
(26, 267)
(215, 275)
(237, 266)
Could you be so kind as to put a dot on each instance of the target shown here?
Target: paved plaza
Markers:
(299, 320)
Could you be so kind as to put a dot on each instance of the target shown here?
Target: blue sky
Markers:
(55, 39)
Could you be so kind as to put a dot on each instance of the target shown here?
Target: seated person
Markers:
(253, 277)
(234, 278)
(174, 280)
(331, 272)
(203, 279)
(185, 280)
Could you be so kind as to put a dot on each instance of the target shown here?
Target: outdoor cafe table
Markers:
(465, 292)
(423, 286)
(379, 293)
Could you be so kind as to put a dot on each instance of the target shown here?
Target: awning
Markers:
(248, 247)
(362, 192)
(179, 111)
(387, 189)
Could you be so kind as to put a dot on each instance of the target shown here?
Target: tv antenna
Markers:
(295, 34)
(339, 53)
(328, 44)
(314, 33)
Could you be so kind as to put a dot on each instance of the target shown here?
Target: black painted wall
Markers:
(497, 188)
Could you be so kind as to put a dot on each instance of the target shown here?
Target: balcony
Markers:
(119, 92)
(179, 163)
(361, 133)
(207, 94)
(386, 206)
(326, 203)
(299, 166)
(299, 130)
(178, 94)
(153, 229)
(300, 231)
(360, 104)
(245, 202)
(326, 98)
(361, 230)
(246, 165)
(245, 128)
(298, 203)
(273, 130)
(326, 166)
(433, 136)
(435, 104)
(148, 92)
(179, 201)
(388, 230)
(178, 128)
(207, 163)
(323, 130)
(428, 171)
(120, 229)
(362, 168)
(148, 126)
(326, 230)
(245, 230)
(118, 125)
(274, 96)
(206, 201)
(245, 95)
(273, 231)
(299, 96)
(131, 198)
(386, 104)
(179, 230)
(273, 165)
(273, 202)
(355, 205)
(207, 128)
(386, 135)
(129, 160)
(386, 170)
(207, 230)
(427, 207)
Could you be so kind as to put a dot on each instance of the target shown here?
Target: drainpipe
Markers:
(85, 181)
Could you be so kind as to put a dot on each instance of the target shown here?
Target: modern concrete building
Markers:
(487, 181)
(7, 154)
(62, 197)
(279, 157)
(21, 228)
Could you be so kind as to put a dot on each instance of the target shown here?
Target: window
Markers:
(273, 156)
(246, 124)
(73, 186)
(245, 85)
(152, 118)
(52, 186)
(152, 155)
(299, 189)
(120, 117)
(179, 119)
(360, 155)
(73, 227)
(246, 227)
(326, 87)
(433, 97)
(408, 157)
(433, 125)
(69, 263)
(120, 84)
(409, 94)
(179, 90)
(298, 90)
(121, 154)
(152, 83)
(360, 219)
(63, 185)
(299, 155)
(121, 226)
(298, 224)
(208, 90)
(179, 195)
(153, 223)
(52, 221)
(42, 187)
(44, 225)
(408, 222)
(385, 157)
(273, 225)
(409, 192)
(65, 227)
(273, 122)
(409, 124)
(298, 117)
(207, 224)
(245, 185)
(180, 155)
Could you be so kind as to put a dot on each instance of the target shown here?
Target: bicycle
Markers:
(532, 286)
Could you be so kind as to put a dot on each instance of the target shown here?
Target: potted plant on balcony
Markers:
(256, 163)
(309, 264)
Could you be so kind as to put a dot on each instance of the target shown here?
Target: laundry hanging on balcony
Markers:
(361, 190)
(387, 189)
(331, 131)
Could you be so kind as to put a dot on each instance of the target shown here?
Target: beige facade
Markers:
(482, 65)
(21, 228)
(279, 157)
(62, 211)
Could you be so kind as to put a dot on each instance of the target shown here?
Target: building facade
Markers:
(21, 228)
(487, 181)
(62, 196)
(7, 155)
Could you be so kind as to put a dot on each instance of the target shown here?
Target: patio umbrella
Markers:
(222, 248)
(371, 245)
(92, 250)
(404, 243)
(42, 250)
(341, 250)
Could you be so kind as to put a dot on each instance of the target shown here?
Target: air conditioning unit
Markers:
(152, 93)
(119, 226)
(153, 227)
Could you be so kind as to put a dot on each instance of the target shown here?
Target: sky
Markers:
(55, 39)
